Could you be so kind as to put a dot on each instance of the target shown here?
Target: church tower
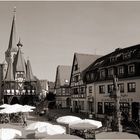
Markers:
(19, 84)
(12, 48)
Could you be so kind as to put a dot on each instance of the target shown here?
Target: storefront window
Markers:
(100, 108)
(109, 108)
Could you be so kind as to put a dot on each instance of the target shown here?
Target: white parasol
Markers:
(4, 105)
(9, 133)
(86, 124)
(52, 129)
(68, 119)
(37, 125)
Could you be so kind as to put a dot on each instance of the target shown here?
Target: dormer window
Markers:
(110, 72)
(92, 76)
(127, 55)
(131, 69)
(120, 70)
(113, 59)
(102, 74)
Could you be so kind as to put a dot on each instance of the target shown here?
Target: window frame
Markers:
(102, 74)
(101, 89)
(121, 70)
(131, 71)
(110, 72)
(132, 89)
(119, 86)
(90, 89)
(108, 86)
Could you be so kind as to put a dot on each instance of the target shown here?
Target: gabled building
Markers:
(78, 88)
(19, 83)
(44, 87)
(125, 64)
(62, 89)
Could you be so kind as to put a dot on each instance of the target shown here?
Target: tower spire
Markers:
(12, 49)
(14, 12)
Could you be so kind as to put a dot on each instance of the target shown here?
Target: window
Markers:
(19, 75)
(110, 88)
(92, 76)
(113, 59)
(82, 90)
(127, 55)
(76, 67)
(90, 89)
(100, 108)
(109, 108)
(120, 70)
(63, 90)
(131, 87)
(110, 72)
(75, 90)
(121, 87)
(76, 78)
(102, 74)
(131, 69)
(102, 89)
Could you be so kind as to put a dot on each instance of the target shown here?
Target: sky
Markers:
(52, 31)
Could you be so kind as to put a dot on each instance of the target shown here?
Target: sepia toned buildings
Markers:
(78, 88)
(91, 83)
(62, 88)
(125, 65)
(18, 83)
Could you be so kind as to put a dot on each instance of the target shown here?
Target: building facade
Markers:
(1, 79)
(19, 83)
(62, 89)
(124, 64)
(44, 87)
(79, 97)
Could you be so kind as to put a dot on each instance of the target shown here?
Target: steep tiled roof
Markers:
(84, 60)
(9, 75)
(63, 75)
(118, 54)
(29, 73)
(19, 62)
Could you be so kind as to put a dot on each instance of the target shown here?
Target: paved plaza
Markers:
(32, 117)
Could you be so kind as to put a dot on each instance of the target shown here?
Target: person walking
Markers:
(24, 119)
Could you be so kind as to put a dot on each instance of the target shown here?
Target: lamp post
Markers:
(116, 96)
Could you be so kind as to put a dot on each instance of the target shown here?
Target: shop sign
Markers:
(121, 100)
